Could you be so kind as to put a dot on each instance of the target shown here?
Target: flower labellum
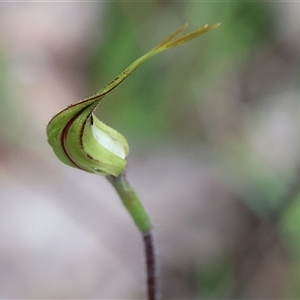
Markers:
(80, 140)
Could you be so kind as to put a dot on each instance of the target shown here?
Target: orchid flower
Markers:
(79, 139)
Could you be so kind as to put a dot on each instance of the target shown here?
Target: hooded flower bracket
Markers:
(80, 140)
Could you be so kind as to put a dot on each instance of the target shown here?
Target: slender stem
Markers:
(151, 266)
(131, 201)
(140, 217)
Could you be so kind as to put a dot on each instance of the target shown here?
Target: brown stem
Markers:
(151, 266)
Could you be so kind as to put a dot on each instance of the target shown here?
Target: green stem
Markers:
(131, 201)
(140, 217)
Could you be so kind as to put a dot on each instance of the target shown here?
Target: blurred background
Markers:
(214, 131)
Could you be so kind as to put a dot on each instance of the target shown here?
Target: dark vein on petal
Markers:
(64, 135)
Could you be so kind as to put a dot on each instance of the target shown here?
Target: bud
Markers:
(79, 139)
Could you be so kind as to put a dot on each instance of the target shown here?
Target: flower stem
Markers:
(141, 219)
(151, 266)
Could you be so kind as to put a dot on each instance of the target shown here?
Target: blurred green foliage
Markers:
(290, 225)
(12, 120)
(216, 282)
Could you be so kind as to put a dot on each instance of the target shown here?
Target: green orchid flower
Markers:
(79, 139)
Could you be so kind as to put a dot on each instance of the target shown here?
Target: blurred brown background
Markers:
(214, 132)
